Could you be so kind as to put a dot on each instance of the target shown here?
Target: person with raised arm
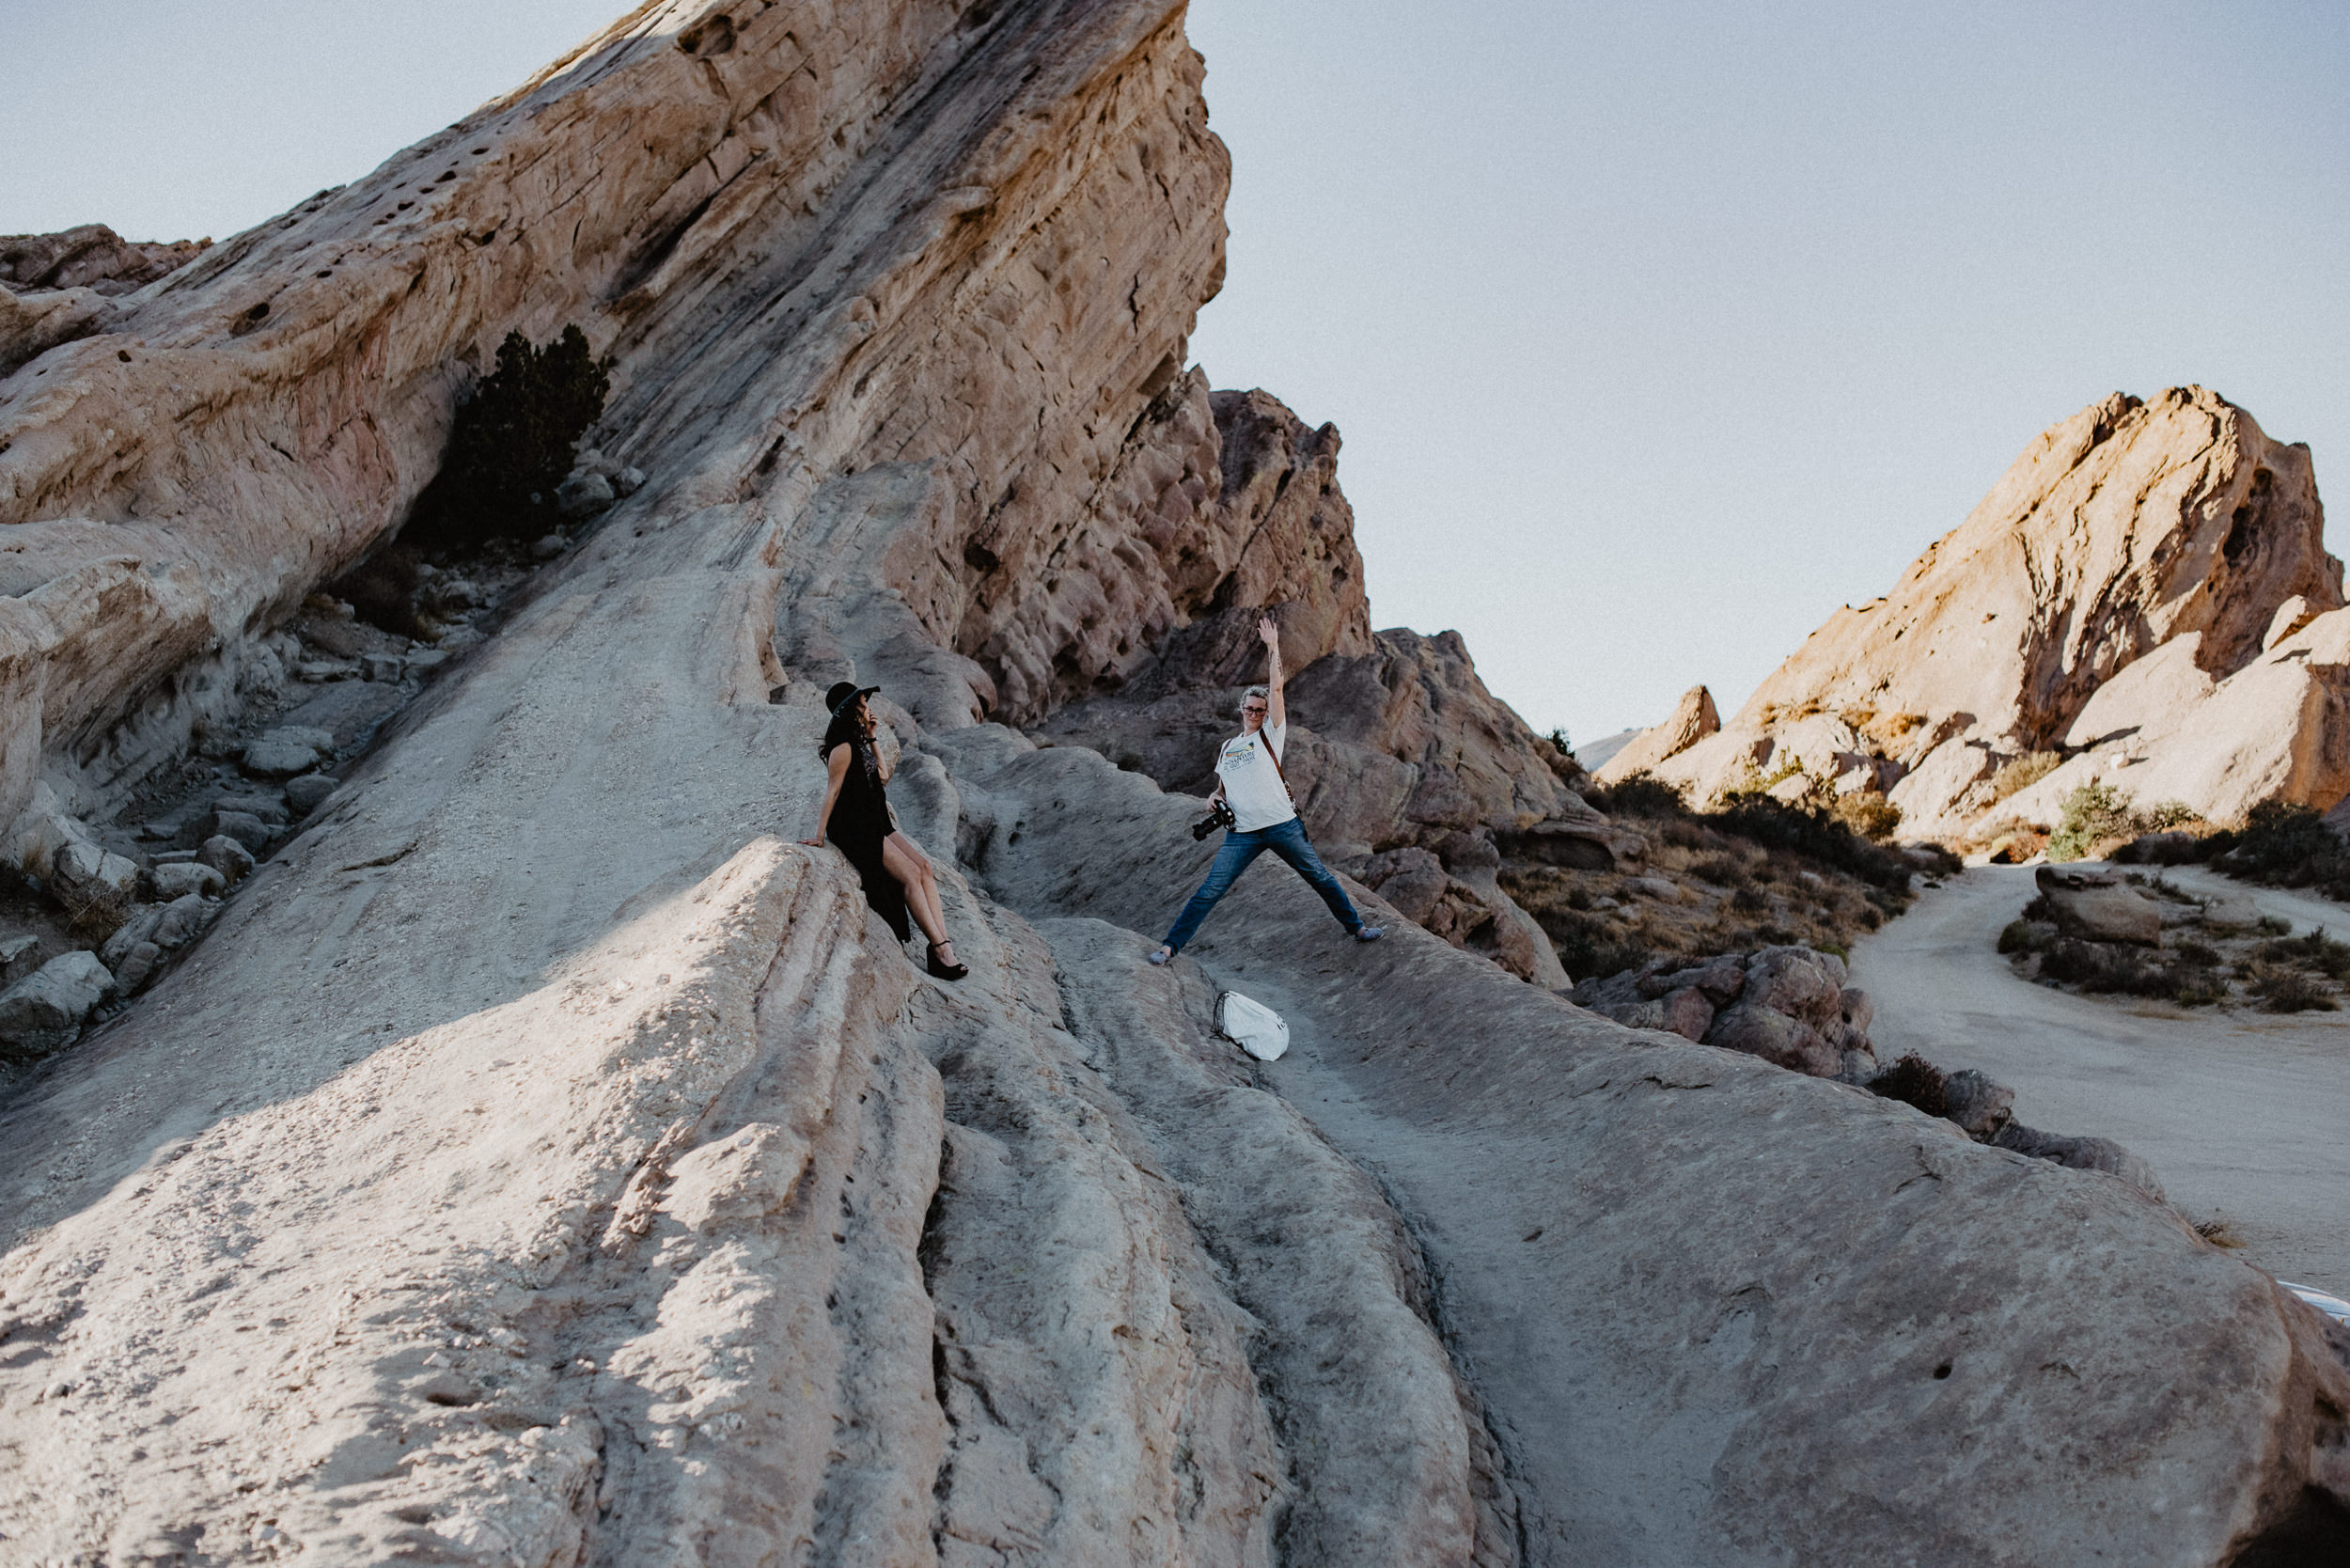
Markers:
(1250, 782)
(897, 875)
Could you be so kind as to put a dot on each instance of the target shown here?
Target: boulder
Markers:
(583, 496)
(1720, 978)
(44, 1012)
(227, 855)
(306, 794)
(2099, 906)
(2080, 1153)
(283, 752)
(18, 957)
(177, 881)
(88, 871)
(385, 668)
(139, 964)
(1777, 1037)
(1980, 1107)
(1687, 1012)
(181, 921)
(1797, 981)
(139, 928)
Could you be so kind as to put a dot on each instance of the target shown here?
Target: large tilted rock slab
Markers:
(1841, 1300)
(2140, 583)
(544, 1159)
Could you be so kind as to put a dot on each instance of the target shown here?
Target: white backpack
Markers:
(1255, 1028)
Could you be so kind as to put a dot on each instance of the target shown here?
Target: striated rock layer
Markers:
(2147, 587)
(547, 1161)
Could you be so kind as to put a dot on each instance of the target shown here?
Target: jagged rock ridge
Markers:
(547, 1161)
(2147, 589)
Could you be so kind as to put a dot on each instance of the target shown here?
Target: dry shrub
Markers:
(2023, 773)
(94, 915)
(2285, 989)
(1913, 1081)
(382, 590)
(1869, 815)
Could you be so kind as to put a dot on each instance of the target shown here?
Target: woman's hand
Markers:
(813, 844)
(1270, 631)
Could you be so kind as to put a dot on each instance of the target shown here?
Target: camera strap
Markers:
(1274, 752)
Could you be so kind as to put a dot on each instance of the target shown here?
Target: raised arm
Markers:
(836, 769)
(1275, 710)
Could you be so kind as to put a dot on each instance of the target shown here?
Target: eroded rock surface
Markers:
(2146, 590)
(545, 1160)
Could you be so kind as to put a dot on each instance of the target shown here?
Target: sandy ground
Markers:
(2244, 1115)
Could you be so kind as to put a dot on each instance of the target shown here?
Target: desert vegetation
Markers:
(1749, 872)
(2210, 953)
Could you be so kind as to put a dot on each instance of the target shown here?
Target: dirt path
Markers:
(2243, 1114)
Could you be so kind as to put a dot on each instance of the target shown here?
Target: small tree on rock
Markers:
(515, 438)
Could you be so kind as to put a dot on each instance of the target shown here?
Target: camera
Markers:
(1220, 815)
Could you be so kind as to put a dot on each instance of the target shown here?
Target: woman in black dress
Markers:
(856, 816)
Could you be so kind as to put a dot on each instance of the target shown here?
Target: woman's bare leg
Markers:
(901, 859)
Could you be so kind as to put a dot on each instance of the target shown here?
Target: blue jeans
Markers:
(1286, 840)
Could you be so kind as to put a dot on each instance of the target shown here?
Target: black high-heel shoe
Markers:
(944, 971)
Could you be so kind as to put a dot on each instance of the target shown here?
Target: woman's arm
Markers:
(1275, 710)
(836, 769)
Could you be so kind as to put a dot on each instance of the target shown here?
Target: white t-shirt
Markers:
(1251, 783)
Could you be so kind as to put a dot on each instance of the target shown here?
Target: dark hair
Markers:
(845, 730)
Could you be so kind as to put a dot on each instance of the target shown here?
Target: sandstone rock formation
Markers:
(1693, 719)
(541, 1159)
(2147, 587)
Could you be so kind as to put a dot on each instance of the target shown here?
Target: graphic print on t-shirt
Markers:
(1251, 782)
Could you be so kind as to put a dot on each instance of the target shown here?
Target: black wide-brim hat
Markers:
(845, 692)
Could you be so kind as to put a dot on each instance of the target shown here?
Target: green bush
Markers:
(514, 440)
(2092, 813)
(2283, 989)
(2019, 936)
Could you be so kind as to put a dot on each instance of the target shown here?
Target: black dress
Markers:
(860, 821)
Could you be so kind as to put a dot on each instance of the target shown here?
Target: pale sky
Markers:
(1655, 332)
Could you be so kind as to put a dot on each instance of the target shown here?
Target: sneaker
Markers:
(1160, 955)
(1367, 934)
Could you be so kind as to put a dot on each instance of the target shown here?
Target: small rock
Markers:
(458, 639)
(628, 481)
(44, 1012)
(183, 920)
(179, 880)
(2080, 1153)
(547, 547)
(304, 794)
(1688, 1013)
(277, 758)
(319, 671)
(18, 957)
(1777, 1037)
(387, 668)
(85, 867)
(172, 856)
(138, 966)
(1663, 889)
(2099, 906)
(584, 495)
(425, 660)
(138, 929)
(1980, 1107)
(228, 856)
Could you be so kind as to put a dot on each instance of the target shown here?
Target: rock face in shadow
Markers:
(2148, 584)
(545, 1159)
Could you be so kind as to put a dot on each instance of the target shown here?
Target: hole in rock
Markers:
(1942, 1371)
